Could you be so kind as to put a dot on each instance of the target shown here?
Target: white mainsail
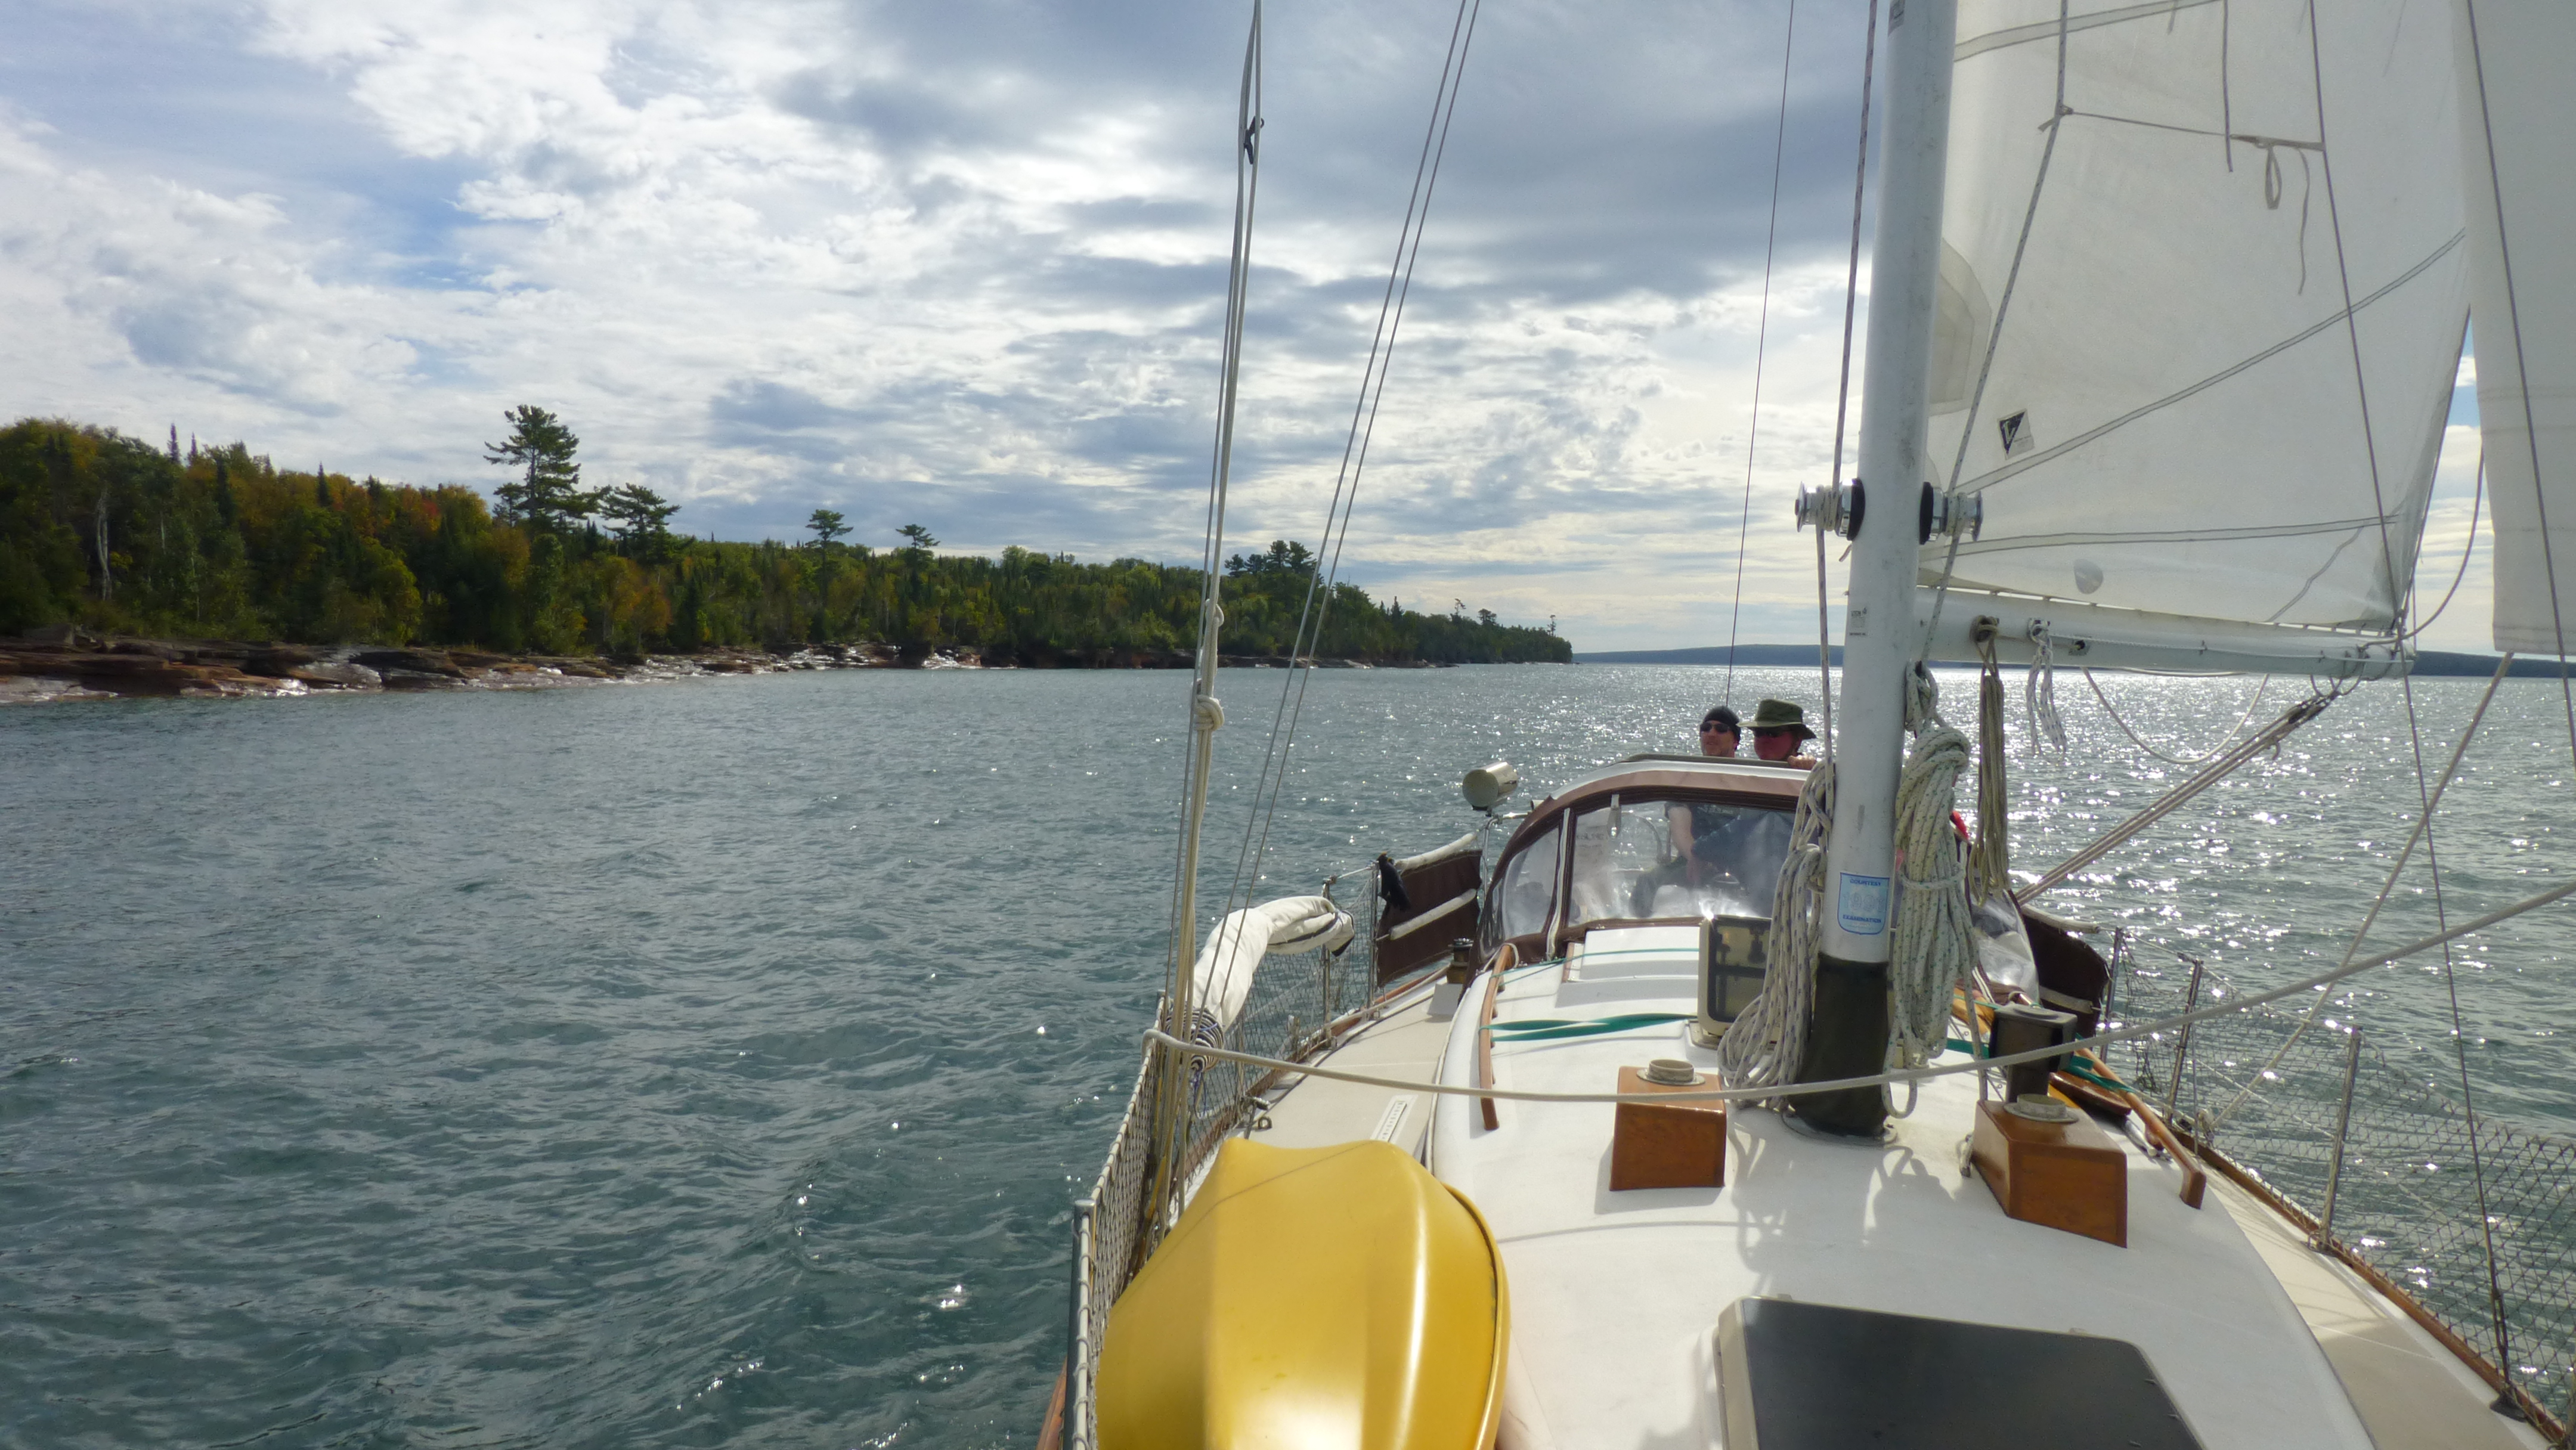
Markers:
(2517, 115)
(2177, 424)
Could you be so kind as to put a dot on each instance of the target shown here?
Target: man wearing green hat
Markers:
(1779, 728)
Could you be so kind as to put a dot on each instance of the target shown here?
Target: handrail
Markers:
(1485, 1046)
(2195, 1182)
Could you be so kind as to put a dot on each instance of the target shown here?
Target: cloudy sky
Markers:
(963, 264)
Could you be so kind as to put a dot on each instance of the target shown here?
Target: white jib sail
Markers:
(2176, 418)
(2517, 120)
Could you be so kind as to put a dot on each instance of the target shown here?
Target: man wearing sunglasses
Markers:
(1719, 731)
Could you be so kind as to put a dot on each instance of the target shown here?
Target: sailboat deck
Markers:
(1405, 1043)
(2413, 1393)
(1615, 1295)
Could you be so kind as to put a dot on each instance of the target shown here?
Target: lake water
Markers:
(712, 1063)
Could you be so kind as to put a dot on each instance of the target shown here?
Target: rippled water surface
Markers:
(712, 1063)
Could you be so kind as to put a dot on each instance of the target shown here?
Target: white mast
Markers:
(1879, 631)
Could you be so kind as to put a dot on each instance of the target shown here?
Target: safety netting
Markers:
(1299, 1005)
(2373, 1153)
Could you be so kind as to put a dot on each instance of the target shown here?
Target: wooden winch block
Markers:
(2067, 1176)
(1667, 1145)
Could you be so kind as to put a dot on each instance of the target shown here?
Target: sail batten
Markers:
(2217, 386)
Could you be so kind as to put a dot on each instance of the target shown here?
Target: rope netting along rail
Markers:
(2155, 1029)
(2403, 1199)
(1296, 1002)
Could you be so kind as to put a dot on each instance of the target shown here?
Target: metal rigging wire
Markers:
(2477, 500)
(1206, 715)
(2414, 730)
(2003, 309)
(1761, 339)
(1842, 390)
(1273, 779)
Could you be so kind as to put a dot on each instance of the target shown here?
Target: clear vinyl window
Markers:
(1527, 891)
(1675, 860)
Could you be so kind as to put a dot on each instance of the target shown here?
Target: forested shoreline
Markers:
(115, 534)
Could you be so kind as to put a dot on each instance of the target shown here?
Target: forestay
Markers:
(2518, 111)
(2171, 418)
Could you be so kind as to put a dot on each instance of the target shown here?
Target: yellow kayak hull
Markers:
(1334, 1298)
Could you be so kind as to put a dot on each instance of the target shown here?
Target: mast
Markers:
(1848, 1035)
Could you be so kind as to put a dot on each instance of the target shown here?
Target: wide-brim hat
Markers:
(1780, 715)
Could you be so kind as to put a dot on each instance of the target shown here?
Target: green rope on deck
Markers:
(2072, 1067)
(1545, 1029)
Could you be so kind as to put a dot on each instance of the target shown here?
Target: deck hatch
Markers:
(1800, 1376)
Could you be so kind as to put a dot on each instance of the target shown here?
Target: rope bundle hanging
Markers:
(1935, 941)
(1990, 860)
(2039, 693)
(1766, 1040)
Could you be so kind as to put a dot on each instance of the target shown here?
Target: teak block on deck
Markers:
(1667, 1145)
(2067, 1176)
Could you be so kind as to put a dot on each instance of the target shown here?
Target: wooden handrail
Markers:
(1485, 1046)
(2195, 1181)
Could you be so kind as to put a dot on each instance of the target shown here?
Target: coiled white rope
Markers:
(1762, 1046)
(1935, 942)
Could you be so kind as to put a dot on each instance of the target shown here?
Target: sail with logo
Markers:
(2202, 295)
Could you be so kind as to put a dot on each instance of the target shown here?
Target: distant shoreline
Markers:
(2437, 664)
(63, 664)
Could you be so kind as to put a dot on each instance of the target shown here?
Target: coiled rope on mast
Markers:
(1935, 942)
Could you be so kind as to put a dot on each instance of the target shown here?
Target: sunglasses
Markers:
(1770, 732)
(1715, 727)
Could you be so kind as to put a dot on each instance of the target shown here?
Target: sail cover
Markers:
(2518, 115)
(2175, 415)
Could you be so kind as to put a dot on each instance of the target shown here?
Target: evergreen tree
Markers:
(105, 531)
(548, 494)
(827, 526)
(640, 519)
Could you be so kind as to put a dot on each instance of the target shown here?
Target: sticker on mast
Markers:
(1862, 909)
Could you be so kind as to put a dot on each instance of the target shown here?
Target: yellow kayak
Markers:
(1333, 1298)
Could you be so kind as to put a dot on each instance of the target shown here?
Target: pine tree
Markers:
(640, 519)
(548, 494)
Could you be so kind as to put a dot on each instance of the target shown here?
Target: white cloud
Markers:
(2466, 624)
(962, 265)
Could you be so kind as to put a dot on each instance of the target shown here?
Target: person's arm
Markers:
(1677, 819)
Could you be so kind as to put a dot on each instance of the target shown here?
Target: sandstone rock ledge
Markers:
(63, 664)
